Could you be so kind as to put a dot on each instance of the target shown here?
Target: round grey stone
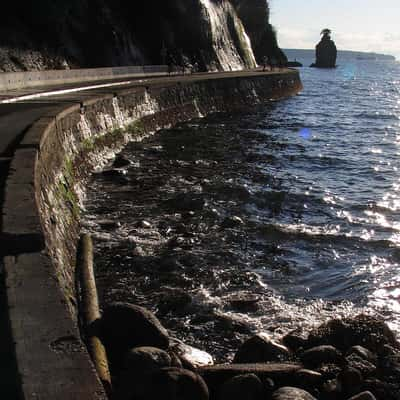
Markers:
(291, 393)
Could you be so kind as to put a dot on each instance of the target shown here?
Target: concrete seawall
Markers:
(16, 80)
(42, 206)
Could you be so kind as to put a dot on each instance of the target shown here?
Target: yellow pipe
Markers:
(90, 310)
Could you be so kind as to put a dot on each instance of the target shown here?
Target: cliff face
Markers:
(214, 34)
(256, 20)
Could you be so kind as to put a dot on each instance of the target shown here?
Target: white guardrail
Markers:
(19, 80)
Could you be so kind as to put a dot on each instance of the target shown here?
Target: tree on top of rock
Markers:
(326, 33)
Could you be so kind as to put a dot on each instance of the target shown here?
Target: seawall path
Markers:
(51, 138)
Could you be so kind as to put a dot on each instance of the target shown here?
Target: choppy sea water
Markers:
(294, 207)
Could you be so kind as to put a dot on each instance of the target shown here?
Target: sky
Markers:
(362, 25)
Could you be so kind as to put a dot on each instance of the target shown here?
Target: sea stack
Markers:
(326, 51)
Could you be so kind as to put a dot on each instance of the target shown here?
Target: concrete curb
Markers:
(52, 361)
(41, 220)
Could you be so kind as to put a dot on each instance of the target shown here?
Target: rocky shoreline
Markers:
(355, 358)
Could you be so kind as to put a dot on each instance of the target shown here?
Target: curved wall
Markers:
(42, 205)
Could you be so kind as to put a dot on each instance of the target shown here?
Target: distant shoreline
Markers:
(349, 53)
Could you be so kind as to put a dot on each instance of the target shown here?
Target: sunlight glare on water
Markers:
(295, 206)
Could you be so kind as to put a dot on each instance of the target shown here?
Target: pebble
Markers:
(109, 224)
(145, 224)
(232, 222)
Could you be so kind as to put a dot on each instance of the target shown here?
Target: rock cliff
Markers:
(214, 34)
(326, 52)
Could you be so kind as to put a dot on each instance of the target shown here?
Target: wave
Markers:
(321, 235)
(377, 116)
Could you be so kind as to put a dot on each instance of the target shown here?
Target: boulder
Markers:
(361, 364)
(291, 393)
(175, 360)
(137, 363)
(190, 355)
(244, 301)
(307, 378)
(279, 373)
(230, 323)
(351, 380)
(116, 174)
(171, 384)
(269, 386)
(141, 360)
(363, 396)
(261, 348)
(174, 300)
(331, 389)
(329, 370)
(363, 353)
(364, 330)
(321, 355)
(242, 387)
(326, 52)
(124, 326)
(295, 339)
(381, 390)
(121, 161)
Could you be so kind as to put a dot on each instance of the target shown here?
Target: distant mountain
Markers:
(342, 54)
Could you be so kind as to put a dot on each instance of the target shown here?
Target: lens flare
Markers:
(305, 133)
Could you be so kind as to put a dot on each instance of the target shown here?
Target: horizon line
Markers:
(346, 50)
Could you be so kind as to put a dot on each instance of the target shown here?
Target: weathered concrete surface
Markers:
(40, 224)
(52, 361)
(15, 119)
(16, 80)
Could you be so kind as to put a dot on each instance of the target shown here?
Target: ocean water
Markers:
(281, 217)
